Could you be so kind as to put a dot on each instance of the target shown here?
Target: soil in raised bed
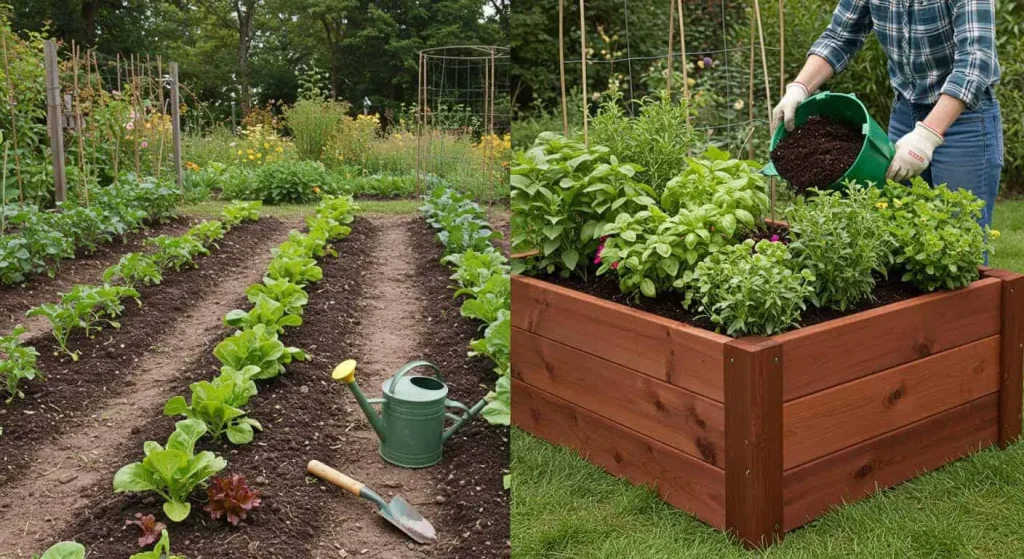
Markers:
(817, 153)
(770, 232)
(84, 268)
(476, 506)
(73, 391)
(670, 306)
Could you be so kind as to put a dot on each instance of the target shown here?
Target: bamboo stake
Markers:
(782, 50)
(160, 81)
(750, 97)
(136, 103)
(12, 101)
(682, 51)
(561, 65)
(494, 90)
(3, 193)
(767, 89)
(419, 119)
(671, 45)
(79, 129)
(176, 125)
(583, 52)
(54, 121)
(119, 72)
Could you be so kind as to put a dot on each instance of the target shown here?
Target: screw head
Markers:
(731, 360)
(776, 359)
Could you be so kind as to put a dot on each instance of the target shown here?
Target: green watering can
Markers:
(411, 423)
(877, 151)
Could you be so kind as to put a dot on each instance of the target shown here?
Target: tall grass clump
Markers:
(312, 122)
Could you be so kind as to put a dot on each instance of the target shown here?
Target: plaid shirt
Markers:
(933, 46)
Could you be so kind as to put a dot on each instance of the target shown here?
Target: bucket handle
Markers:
(409, 367)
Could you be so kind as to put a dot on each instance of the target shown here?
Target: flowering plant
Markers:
(260, 145)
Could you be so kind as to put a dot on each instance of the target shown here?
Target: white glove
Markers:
(785, 111)
(914, 153)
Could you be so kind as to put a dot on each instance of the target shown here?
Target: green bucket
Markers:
(877, 151)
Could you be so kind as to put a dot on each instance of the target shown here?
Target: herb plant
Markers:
(17, 362)
(133, 269)
(749, 289)
(258, 347)
(172, 472)
(734, 186)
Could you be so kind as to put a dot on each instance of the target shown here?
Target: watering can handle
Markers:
(409, 367)
(458, 405)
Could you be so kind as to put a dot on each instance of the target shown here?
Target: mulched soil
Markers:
(670, 305)
(817, 153)
(84, 268)
(303, 413)
(476, 458)
(73, 390)
(770, 231)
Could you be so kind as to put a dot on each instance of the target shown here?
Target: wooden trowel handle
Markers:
(334, 477)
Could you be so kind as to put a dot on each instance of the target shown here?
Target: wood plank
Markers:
(680, 354)
(884, 461)
(753, 446)
(833, 419)
(841, 350)
(680, 480)
(1012, 368)
(666, 413)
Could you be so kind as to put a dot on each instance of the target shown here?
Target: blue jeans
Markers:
(972, 156)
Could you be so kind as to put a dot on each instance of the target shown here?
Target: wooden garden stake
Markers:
(79, 129)
(54, 120)
(767, 91)
(176, 124)
(682, 51)
(583, 58)
(750, 97)
(561, 65)
(671, 45)
(160, 83)
(782, 50)
(12, 100)
(3, 192)
(119, 72)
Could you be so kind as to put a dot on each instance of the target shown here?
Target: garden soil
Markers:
(818, 153)
(84, 268)
(69, 428)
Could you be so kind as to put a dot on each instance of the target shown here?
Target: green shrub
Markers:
(284, 182)
(842, 240)
(312, 122)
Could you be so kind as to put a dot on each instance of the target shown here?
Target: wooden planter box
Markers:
(762, 435)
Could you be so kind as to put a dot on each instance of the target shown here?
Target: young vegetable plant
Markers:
(218, 404)
(257, 347)
(302, 271)
(749, 289)
(231, 498)
(207, 233)
(64, 550)
(149, 527)
(496, 343)
(732, 185)
(17, 362)
(133, 269)
(238, 211)
(63, 320)
(177, 251)
(291, 295)
(172, 472)
(488, 300)
(265, 311)
(162, 550)
(473, 269)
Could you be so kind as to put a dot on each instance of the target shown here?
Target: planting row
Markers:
(90, 308)
(216, 408)
(482, 276)
(702, 240)
(34, 241)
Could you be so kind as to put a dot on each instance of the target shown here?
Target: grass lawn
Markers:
(213, 208)
(564, 508)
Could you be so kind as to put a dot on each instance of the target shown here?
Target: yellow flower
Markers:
(316, 189)
(995, 234)
(882, 205)
(279, 149)
(249, 151)
(266, 145)
(239, 152)
(251, 158)
(898, 203)
(259, 155)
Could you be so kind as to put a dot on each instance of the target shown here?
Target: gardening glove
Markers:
(914, 153)
(785, 111)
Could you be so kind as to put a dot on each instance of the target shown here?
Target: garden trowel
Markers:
(398, 512)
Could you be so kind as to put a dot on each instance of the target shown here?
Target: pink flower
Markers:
(775, 238)
(130, 126)
(615, 265)
(144, 144)
(597, 257)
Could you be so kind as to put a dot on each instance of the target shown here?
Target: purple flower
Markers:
(775, 238)
(144, 144)
(707, 61)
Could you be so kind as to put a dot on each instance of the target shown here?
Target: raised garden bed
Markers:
(759, 436)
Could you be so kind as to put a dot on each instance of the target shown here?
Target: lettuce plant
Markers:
(473, 269)
(150, 528)
(258, 347)
(133, 269)
(339, 208)
(496, 343)
(498, 410)
(238, 211)
(749, 289)
(291, 295)
(17, 362)
(218, 404)
(231, 498)
(207, 232)
(265, 311)
(302, 271)
(162, 549)
(64, 550)
(177, 251)
(172, 472)
(937, 242)
(488, 300)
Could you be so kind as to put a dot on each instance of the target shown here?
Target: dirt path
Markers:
(390, 334)
(65, 466)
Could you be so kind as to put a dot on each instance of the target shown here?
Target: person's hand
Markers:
(785, 111)
(914, 153)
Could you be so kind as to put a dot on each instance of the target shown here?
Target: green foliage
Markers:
(265, 311)
(461, 223)
(290, 295)
(162, 549)
(64, 550)
(172, 472)
(175, 252)
(473, 269)
(218, 404)
(311, 122)
(382, 185)
(284, 182)
(259, 347)
(133, 269)
(301, 271)
(207, 232)
(86, 307)
(649, 250)
(495, 345)
(17, 363)
(659, 139)
(563, 194)
(937, 242)
(843, 241)
(339, 208)
(498, 410)
(238, 211)
(488, 299)
(749, 289)
(729, 184)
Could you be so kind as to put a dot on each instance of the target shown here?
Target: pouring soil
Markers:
(817, 153)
